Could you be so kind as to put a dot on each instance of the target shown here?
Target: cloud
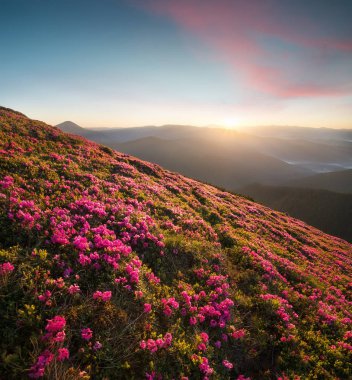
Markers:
(278, 51)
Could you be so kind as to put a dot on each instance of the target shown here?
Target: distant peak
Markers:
(70, 127)
(68, 122)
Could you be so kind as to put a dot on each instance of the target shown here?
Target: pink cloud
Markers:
(234, 30)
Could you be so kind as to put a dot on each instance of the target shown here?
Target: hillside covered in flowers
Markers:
(113, 268)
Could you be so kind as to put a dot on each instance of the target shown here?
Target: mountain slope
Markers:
(326, 210)
(340, 181)
(113, 268)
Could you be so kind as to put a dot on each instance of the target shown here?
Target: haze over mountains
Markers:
(290, 151)
(248, 161)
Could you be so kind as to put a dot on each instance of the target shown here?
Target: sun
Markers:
(229, 122)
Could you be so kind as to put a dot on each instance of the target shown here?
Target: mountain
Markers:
(301, 151)
(71, 127)
(304, 133)
(339, 181)
(326, 210)
(216, 162)
(114, 268)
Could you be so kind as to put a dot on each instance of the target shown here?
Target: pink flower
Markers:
(86, 334)
(56, 324)
(159, 342)
(97, 346)
(238, 334)
(63, 354)
(84, 260)
(60, 283)
(202, 347)
(167, 339)
(151, 345)
(204, 366)
(147, 308)
(138, 294)
(102, 296)
(73, 289)
(44, 297)
(150, 376)
(106, 296)
(6, 268)
(6, 182)
(60, 336)
(192, 321)
(204, 336)
(37, 370)
(81, 243)
(227, 364)
(167, 311)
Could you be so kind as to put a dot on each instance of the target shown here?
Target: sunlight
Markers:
(230, 122)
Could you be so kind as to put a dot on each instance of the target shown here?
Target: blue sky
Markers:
(127, 63)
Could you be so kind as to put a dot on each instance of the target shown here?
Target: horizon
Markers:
(238, 128)
(128, 63)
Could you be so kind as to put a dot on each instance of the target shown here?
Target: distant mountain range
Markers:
(286, 155)
(277, 166)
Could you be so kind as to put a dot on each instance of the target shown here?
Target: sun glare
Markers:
(230, 122)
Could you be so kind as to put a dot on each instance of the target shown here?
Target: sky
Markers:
(232, 63)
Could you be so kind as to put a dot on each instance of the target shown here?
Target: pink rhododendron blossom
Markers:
(6, 268)
(154, 345)
(147, 307)
(97, 346)
(59, 336)
(102, 296)
(37, 370)
(204, 336)
(227, 364)
(56, 324)
(238, 334)
(63, 354)
(73, 289)
(86, 333)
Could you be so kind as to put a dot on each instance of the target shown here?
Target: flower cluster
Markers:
(6, 268)
(155, 345)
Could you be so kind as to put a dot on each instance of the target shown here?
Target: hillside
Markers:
(340, 181)
(329, 211)
(114, 268)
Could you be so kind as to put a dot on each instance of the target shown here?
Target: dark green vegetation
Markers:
(113, 268)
